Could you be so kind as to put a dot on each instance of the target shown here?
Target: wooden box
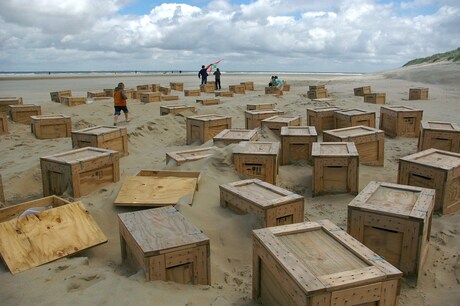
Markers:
(296, 143)
(248, 85)
(192, 92)
(317, 263)
(335, 168)
(400, 121)
(96, 94)
(361, 91)
(376, 98)
(394, 221)
(353, 117)
(419, 93)
(3, 123)
(204, 127)
(368, 141)
(238, 89)
(164, 90)
(273, 91)
(257, 160)
(207, 87)
(229, 136)
(165, 245)
(22, 113)
(253, 118)
(147, 97)
(154, 87)
(144, 87)
(73, 101)
(208, 101)
(6, 101)
(129, 93)
(316, 87)
(439, 135)
(322, 118)
(175, 109)
(177, 86)
(137, 93)
(317, 94)
(275, 123)
(51, 126)
(109, 92)
(57, 95)
(271, 204)
(184, 156)
(261, 106)
(79, 172)
(435, 169)
(228, 94)
(169, 98)
(106, 137)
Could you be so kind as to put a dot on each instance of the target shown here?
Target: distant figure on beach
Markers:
(217, 76)
(119, 102)
(203, 74)
(277, 82)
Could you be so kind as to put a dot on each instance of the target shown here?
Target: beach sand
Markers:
(97, 276)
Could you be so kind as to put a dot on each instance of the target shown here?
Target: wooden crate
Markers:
(208, 101)
(129, 93)
(317, 263)
(165, 245)
(51, 126)
(375, 98)
(177, 86)
(207, 87)
(335, 168)
(164, 90)
(169, 98)
(73, 101)
(419, 93)
(271, 204)
(439, 135)
(361, 91)
(286, 87)
(106, 137)
(403, 121)
(144, 87)
(204, 127)
(184, 156)
(322, 118)
(369, 142)
(22, 113)
(96, 94)
(435, 169)
(354, 117)
(273, 91)
(192, 93)
(257, 160)
(394, 221)
(57, 95)
(154, 87)
(261, 106)
(316, 87)
(275, 123)
(228, 94)
(175, 109)
(147, 97)
(296, 143)
(253, 118)
(79, 172)
(3, 123)
(229, 136)
(248, 85)
(317, 94)
(238, 89)
(136, 94)
(109, 92)
(6, 101)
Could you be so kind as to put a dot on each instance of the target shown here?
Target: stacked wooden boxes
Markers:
(435, 169)
(175, 109)
(419, 93)
(322, 118)
(271, 204)
(248, 85)
(79, 172)
(165, 245)
(6, 101)
(375, 98)
(149, 96)
(21, 113)
(207, 87)
(208, 101)
(368, 141)
(275, 123)
(257, 160)
(204, 127)
(106, 137)
(403, 121)
(238, 89)
(439, 135)
(229, 136)
(317, 263)
(177, 86)
(261, 106)
(296, 143)
(253, 118)
(192, 92)
(228, 94)
(57, 95)
(361, 91)
(184, 156)
(395, 222)
(164, 90)
(335, 168)
(3, 123)
(73, 101)
(317, 92)
(51, 126)
(354, 117)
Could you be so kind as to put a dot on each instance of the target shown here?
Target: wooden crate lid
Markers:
(334, 149)
(353, 112)
(10, 99)
(281, 119)
(34, 240)
(298, 131)
(79, 155)
(19, 106)
(261, 193)
(158, 230)
(396, 200)
(101, 130)
(264, 111)
(321, 256)
(257, 147)
(435, 158)
(191, 155)
(440, 126)
(323, 109)
(176, 106)
(208, 117)
(45, 117)
(359, 130)
(236, 134)
(400, 108)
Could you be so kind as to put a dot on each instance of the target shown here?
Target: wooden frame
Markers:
(296, 143)
(22, 113)
(361, 91)
(175, 109)
(399, 120)
(51, 126)
(322, 118)
(184, 156)
(204, 127)
(105, 137)
(375, 98)
(253, 118)
(275, 123)
(419, 93)
(439, 135)
(229, 136)
(354, 117)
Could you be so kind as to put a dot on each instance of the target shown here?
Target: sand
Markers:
(97, 276)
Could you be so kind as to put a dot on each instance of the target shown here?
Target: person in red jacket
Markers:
(119, 101)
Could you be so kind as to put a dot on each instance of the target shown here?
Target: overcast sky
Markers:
(262, 35)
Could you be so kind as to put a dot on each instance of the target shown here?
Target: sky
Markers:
(249, 35)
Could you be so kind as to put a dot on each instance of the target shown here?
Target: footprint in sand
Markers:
(83, 282)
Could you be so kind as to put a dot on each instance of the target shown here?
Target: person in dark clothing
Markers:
(203, 74)
(217, 76)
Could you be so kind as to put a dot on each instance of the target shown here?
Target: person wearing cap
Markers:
(119, 101)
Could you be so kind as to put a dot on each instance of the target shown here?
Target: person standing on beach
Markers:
(203, 73)
(217, 76)
(119, 101)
